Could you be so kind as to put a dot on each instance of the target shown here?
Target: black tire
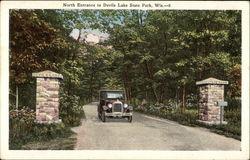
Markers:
(103, 116)
(99, 116)
(130, 119)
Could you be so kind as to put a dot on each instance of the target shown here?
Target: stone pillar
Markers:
(211, 91)
(47, 96)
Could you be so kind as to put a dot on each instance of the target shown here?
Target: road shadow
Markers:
(115, 120)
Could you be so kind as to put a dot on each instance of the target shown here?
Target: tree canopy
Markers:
(156, 55)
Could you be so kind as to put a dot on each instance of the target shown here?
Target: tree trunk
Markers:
(152, 83)
(177, 98)
(184, 99)
(130, 94)
(78, 40)
(126, 86)
(166, 45)
(126, 91)
(162, 93)
(79, 35)
(16, 97)
(91, 81)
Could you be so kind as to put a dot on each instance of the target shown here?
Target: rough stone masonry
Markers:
(47, 96)
(211, 91)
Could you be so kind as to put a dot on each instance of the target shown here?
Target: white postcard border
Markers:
(123, 154)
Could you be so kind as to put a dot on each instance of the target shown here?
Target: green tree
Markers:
(29, 37)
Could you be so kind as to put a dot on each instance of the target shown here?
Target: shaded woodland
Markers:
(156, 55)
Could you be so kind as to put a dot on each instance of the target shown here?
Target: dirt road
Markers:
(145, 133)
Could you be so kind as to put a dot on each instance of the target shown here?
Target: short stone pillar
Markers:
(211, 91)
(47, 96)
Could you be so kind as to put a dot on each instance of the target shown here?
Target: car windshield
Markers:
(114, 95)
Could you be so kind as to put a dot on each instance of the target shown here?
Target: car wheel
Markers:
(103, 116)
(130, 119)
(99, 116)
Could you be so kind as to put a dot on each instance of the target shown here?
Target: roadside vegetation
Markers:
(190, 117)
(154, 56)
(25, 133)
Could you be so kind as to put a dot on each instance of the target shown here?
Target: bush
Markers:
(21, 122)
(71, 112)
(23, 129)
(233, 104)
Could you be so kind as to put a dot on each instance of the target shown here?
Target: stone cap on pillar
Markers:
(211, 81)
(47, 74)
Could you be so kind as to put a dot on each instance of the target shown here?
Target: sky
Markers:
(93, 36)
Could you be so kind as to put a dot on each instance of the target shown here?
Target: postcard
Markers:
(124, 80)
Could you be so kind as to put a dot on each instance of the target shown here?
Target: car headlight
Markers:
(125, 105)
(110, 105)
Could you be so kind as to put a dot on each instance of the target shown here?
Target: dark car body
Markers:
(113, 104)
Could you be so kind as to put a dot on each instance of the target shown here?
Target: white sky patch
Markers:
(74, 33)
(91, 36)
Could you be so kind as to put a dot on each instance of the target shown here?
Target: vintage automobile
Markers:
(113, 105)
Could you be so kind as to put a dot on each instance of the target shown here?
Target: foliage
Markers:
(155, 55)
(71, 112)
(23, 129)
(235, 81)
(29, 36)
(234, 104)
(26, 95)
(170, 55)
(21, 122)
(113, 83)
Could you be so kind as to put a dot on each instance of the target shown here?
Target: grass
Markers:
(58, 143)
(26, 134)
(42, 134)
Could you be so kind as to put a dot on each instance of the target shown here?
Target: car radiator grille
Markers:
(117, 107)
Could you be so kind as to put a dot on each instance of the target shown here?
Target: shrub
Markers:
(71, 112)
(21, 122)
(23, 129)
(233, 104)
(12, 106)
(49, 131)
(192, 101)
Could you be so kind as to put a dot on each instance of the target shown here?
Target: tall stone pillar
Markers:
(47, 96)
(211, 92)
